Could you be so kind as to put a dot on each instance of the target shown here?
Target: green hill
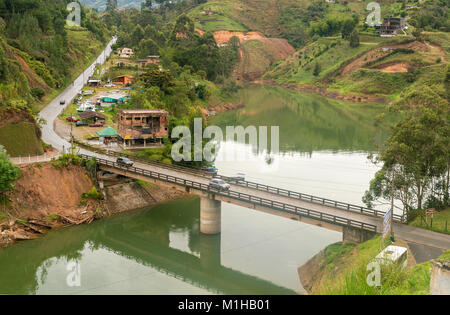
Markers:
(39, 56)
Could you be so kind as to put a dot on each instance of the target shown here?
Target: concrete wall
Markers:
(356, 235)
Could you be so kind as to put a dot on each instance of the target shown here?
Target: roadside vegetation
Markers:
(438, 222)
(346, 273)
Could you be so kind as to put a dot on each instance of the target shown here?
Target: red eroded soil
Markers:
(394, 68)
(378, 53)
(43, 190)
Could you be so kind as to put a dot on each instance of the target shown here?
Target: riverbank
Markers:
(357, 98)
(52, 195)
(341, 268)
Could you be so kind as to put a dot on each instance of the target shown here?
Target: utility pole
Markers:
(392, 205)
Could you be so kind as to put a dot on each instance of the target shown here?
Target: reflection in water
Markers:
(308, 122)
(159, 250)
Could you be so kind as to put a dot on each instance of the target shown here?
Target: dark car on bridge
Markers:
(124, 161)
(219, 184)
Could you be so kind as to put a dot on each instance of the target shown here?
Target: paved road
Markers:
(51, 112)
(53, 109)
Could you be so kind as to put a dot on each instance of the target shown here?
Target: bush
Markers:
(37, 93)
(93, 194)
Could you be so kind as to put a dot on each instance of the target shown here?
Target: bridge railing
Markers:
(275, 190)
(280, 206)
(314, 199)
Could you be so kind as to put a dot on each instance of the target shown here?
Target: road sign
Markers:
(430, 211)
(387, 223)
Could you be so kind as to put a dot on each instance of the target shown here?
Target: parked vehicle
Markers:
(72, 119)
(240, 177)
(210, 170)
(124, 161)
(219, 184)
(81, 123)
(97, 124)
(62, 102)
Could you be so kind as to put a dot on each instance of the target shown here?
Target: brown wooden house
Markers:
(138, 127)
(124, 80)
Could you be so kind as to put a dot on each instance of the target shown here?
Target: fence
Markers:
(22, 160)
(325, 217)
(279, 191)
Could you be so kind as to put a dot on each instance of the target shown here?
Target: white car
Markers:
(219, 184)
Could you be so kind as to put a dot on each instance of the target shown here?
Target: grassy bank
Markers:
(20, 139)
(346, 272)
(440, 222)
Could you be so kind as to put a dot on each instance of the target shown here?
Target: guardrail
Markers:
(313, 199)
(275, 190)
(280, 206)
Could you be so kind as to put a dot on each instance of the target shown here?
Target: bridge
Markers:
(355, 222)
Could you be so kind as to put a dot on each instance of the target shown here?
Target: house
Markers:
(142, 126)
(391, 26)
(125, 53)
(124, 80)
(94, 82)
(148, 60)
(92, 117)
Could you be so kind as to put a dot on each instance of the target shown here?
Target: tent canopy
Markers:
(107, 132)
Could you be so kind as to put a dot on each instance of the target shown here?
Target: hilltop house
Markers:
(148, 60)
(142, 126)
(391, 26)
(124, 80)
(125, 53)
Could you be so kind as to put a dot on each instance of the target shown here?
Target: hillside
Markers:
(101, 4)
(39, 55)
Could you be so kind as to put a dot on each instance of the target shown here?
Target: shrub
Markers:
(93, 194)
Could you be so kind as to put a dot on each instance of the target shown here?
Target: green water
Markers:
(160, 251)
(308, 122)
(324, 144)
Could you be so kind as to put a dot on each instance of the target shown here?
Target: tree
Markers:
(317, 69)
(111, 5)
(417, 156)
(9, 173)
(148, 47)
(147, 4)
(354, 38)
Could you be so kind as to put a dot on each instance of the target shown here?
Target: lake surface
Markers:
(323, 148)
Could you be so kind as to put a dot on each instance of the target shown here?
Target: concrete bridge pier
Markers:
(210, 215)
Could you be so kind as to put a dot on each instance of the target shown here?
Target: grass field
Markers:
(350, 279)
(329, 52)
(20, 139)
(441, 219)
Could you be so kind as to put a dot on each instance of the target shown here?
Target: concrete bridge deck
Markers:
(273, 202)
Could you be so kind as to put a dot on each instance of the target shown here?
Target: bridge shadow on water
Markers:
(141, 236)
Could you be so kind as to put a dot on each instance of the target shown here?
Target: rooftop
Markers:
(88, 115)
(142, 111)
